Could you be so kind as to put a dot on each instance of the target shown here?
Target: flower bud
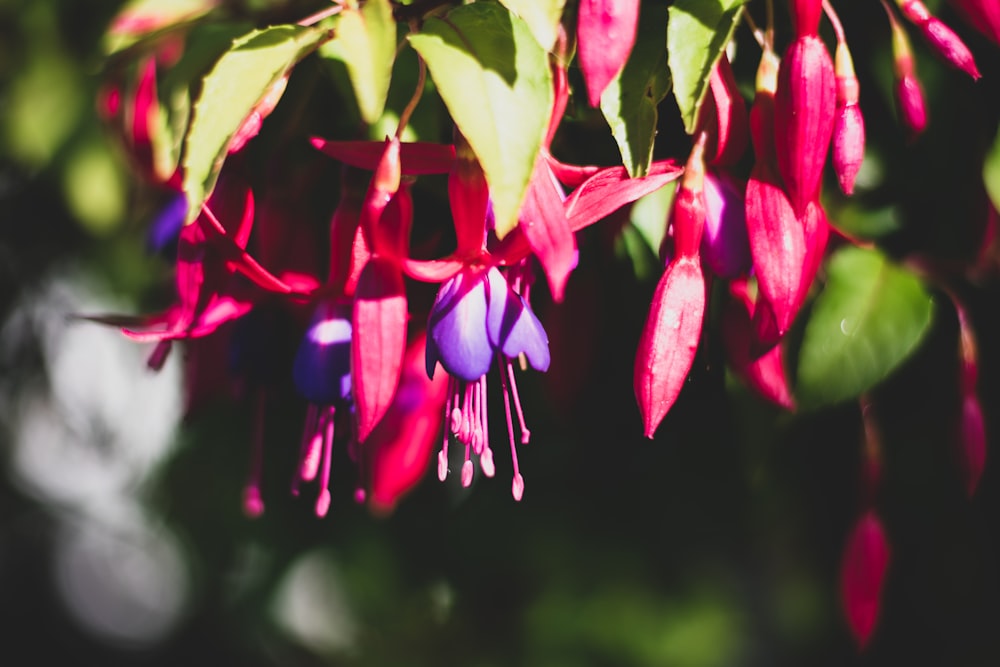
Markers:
(849, 124)
(687, 218)
(805, 16)
(724, 117)
(909, 92)
(804, 109)
(940, 37)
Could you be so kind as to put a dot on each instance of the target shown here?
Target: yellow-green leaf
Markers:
(697, 34)
(229, 93)
(495, 80)
(542, 17)
(366, 43)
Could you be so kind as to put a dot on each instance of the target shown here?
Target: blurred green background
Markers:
(122, 539)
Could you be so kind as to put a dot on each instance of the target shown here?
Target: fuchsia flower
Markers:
(209, 291)
(322, 374)
(723, 116)
(970, 434)
(849, 124)
(477, 317)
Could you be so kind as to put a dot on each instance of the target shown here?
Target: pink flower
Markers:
(862, 575)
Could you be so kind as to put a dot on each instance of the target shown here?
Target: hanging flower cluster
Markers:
(390, 381)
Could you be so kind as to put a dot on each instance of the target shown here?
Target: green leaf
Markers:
(649, 215)
(870, 316)
(697, 34)
(366, 43)
(229, 93)
(630, 100)
(542, 17)
(991, 172)
(495, 80)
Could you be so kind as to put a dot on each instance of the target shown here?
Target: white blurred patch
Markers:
(126, 582)
(84, 442)
(312, 606)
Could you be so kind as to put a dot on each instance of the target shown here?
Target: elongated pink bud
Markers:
(723, 117)
(862, 576)
(605, 35)
(669, 340)
(804, 109)
(940, 37)
(849, 124)
(983, 15)
(909, 92)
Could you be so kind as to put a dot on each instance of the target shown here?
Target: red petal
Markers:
(669, 340)
(862, 575)
(417, 158)
(402, 444)
(724, 117)
(778, 246)
(611, 188)
(379, 340)
(433, 270)
(605, 34)
(544, 224)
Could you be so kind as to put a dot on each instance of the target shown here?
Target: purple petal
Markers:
(322, 367)
(457, 327)
(512, 327)
(725, 247)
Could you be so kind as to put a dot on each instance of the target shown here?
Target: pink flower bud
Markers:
(940, 37)
(724, 117)
(862, 575)
(605, 36)
(909, 92)
(669, 340)
(849, 124)
(983, 15)
(804, 109)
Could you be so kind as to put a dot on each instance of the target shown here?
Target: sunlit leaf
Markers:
(697, 34)
(542, 17)
(991, 172)
(870, 316)
(240, 78)
(630, 100)
(495, 80)
(366, 43)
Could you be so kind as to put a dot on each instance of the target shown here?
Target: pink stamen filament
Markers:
(525, 433)
(510, 423)
(253, 504)
(323, 501)
(307, 431)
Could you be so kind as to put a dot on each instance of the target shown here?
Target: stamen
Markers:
(525, 433)
(517, 489)
(308, 430)
(486, 456)
(253, 504)
(467, 470)
(475, 419)
(323, 501)
(448, 413)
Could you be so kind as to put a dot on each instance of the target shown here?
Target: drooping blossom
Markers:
(983, 15)
(672, 331)
(940, 37)
(477, 318)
